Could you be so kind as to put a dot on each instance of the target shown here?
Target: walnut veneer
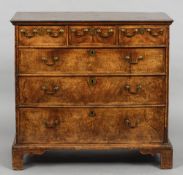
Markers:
(92, 81)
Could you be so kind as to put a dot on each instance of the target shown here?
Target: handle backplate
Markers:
(133, 60)
(133, 91)
(52, 124)
(130, 32)
(131, 124)
(50, 61)
(53, 90)
(42, 31)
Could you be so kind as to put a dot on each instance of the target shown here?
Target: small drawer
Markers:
(89, 61)
(91, 90)
(92, 36)
(90, 125)
(142, 35)
(42, 35)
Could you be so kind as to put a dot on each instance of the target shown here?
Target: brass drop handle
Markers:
(129, 34)
(80, 33)
(55, 34)
(131, 124)
(50, 92)
(133, 60)
(92, 81)
(91, 52)
(105, 34)
(50, 63)
(92, 114)
(52, 124)
(155, 33)
(137, 89)
(29, 34)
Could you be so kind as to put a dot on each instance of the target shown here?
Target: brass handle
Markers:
(107, 34)
(131, 124)
(92, 81)
(29, 34)
(133, 60)
(48, 92)
(129, 34)
(41, 31)
(48, 63)
(155, 33)
(55, 34)
(80, 33)
(52, 124)
(92, 52)
(136, 91)
(92, 114)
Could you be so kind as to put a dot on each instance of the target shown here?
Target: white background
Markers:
(120, 163)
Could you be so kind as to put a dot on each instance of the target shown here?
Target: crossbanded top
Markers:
(21, 17)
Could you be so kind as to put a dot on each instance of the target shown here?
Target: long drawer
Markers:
(91, 90)
(88, 61)
(90, 125)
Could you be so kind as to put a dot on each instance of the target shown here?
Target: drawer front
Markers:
(88, 35)
(89, 125)
(91, 61)
(91, 90)
(42, 36)
(142, 35)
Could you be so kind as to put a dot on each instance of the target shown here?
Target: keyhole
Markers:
(92, 114)
(92, 52)
(92, 81)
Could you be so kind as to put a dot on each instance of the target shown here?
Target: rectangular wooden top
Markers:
(24, 17)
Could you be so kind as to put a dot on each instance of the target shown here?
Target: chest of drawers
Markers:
(92, 81)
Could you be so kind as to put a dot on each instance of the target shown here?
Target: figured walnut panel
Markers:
(91, 90)
(42, 35)
(90, 61)
(89, 125)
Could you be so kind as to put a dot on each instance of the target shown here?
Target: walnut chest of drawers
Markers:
(92, 81)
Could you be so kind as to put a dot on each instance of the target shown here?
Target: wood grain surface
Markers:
(91, 81)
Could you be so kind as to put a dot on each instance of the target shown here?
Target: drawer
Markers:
(89, 35)
(42, 35)
(88, 61)
(90, 125)
(91, 90)
(142, 35)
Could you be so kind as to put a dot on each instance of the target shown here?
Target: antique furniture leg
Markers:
(166, 158)
(17, 158)
(165, 152)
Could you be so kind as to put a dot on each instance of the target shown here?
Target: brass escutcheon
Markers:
(92, 81)
(92, 52)
(92, 114)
